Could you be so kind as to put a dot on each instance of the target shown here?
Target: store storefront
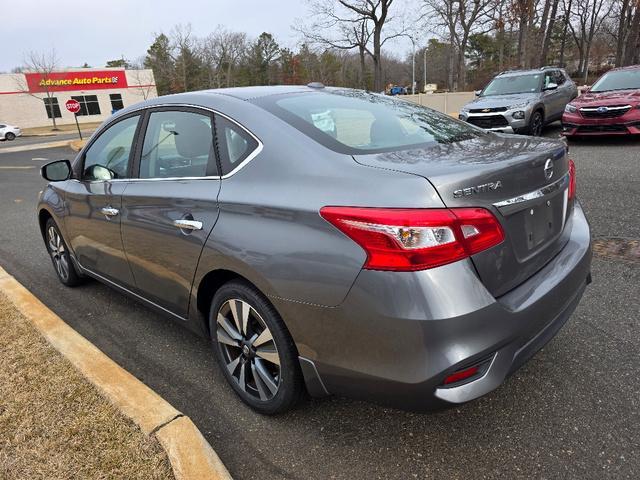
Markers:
(32, 99)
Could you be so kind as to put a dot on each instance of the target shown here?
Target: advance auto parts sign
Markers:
(67, 81)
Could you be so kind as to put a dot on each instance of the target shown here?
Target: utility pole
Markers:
(424, 86)
(413, 68)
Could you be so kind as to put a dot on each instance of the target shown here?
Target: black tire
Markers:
(10, 136)
(59, 253)
(536, 123)
(233, 345)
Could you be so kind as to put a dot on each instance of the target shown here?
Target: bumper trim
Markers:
(509, 359)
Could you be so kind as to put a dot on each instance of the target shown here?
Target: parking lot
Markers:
(573, 411)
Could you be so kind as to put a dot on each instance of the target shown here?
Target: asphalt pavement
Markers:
(41, 139)
(572, 412)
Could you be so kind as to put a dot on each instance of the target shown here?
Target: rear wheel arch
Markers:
(211, 283)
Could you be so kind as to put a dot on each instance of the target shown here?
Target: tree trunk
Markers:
(548, 33)
(634, 33)
(522, 40)
(377, 60)
(622, 33)
(563, 43)
(363, 68)
(462, 70)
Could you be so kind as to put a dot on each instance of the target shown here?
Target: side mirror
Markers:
(98, 172)
(57, 171)
(478, 92)
(551, 86)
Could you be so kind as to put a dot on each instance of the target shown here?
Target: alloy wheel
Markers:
(248, 349)
(58, 253)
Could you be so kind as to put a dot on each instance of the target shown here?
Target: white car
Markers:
(9, 132)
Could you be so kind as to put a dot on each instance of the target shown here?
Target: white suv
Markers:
(9, 132)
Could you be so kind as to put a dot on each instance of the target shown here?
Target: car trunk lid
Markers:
(522, 180)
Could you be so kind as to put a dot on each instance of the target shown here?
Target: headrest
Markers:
(193, 137)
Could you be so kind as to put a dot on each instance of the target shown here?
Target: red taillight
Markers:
(416, 239)
(462, 375)
(572, 179)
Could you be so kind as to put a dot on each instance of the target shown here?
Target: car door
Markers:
(94, 201)
(170, 209)
(567, 88)
(552, 98)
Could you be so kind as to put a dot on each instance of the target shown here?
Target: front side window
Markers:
(512, 84)
(88, 105)
(234, 142)
(356, 122)
(178, 144)
(558, 77)
(52, 107)
(618, 80)
(109, 156)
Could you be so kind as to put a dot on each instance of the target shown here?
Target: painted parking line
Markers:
(40, 159)
(11, 167)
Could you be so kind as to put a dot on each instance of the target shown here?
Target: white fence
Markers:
(450, 102)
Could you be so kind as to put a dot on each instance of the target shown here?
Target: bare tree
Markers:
(461, 18)
(42, 64)
(588, 16)
(546, 28)
(332, 29)
(141, 81)
(349, 24)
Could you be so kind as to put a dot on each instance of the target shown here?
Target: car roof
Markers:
(509, 73)
(251, 93)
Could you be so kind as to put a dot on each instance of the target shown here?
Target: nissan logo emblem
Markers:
(548, 168)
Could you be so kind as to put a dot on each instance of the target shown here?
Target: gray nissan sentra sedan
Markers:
(328, 240)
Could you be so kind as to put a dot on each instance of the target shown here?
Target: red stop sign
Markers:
(73, 106)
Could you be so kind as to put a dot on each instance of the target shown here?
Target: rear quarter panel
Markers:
(270, 229)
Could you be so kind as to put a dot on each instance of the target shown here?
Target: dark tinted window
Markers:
(178, 144)
(234, 143)
(88, 105)
(111, 150)
(618, 80)
(52, 107)
(355, 122)
(116, 101)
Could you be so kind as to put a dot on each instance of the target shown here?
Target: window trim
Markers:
(78, 167)
(143, 132)
(145, 114)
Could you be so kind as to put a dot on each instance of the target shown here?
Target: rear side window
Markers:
(110, 154)
(235, 144)
(356, 122)
(178, 144)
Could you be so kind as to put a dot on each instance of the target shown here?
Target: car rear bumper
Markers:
(398, 335)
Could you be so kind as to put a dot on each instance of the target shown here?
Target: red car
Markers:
(610, 107)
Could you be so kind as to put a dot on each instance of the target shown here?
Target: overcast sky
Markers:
(95, 31)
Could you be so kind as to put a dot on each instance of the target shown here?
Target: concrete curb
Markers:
(35, 146)
(190, 454)
(77, 145)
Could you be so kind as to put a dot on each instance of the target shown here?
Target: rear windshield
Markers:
(513, 84)
(357, 122)
(618, 80)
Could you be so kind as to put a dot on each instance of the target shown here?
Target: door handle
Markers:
(109, 211)
(184, 224)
